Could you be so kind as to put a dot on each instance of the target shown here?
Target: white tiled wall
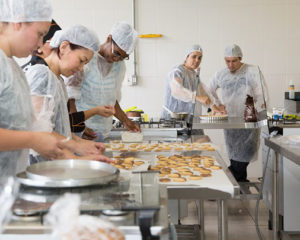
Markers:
(268, 32)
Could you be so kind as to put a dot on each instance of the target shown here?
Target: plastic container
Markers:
(291, 90)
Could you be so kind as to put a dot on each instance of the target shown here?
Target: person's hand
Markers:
(87, 147)
(106, 110)
(47, 145)
(219, 109)
(88, 134)
(98, 157)
(131, 126)
(205, 100)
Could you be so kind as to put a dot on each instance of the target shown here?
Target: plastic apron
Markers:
(16, 112)
(53, 115)
(99, 87)
(241, 144)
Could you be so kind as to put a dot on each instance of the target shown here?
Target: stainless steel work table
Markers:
(199, 192)
(291, 153)
(230, 123)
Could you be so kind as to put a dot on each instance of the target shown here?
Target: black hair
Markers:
(53, 28)
(72, 46)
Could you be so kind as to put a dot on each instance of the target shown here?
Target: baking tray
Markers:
(68, 173)
(213, 117)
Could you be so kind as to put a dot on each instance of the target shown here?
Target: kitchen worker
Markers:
(236, 81)
(101, 81)
(44, 50)
(184, 89)
(76, 118)
(23, 23)
(70, 51)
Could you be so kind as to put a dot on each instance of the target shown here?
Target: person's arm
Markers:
(44, 143)
(104, 111)
(84, 148)
(212, 90)
(181, 93)
(128, 124)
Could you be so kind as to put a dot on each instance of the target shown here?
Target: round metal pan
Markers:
(68, 173)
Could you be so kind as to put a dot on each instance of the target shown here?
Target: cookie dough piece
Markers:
(216, 167)
(186, 173)
(206, 175)
(174, 175)
(180, 179)
(128, 160)
(203, 170)
(165, 180)
(138, 163)
(195, 177)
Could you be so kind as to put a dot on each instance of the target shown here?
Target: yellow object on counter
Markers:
(130, 109)
(150, 35)
(145, 117)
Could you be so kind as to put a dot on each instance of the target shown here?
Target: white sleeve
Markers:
(120, 79)
(212, 89)
(73, 85)
(42, 95)
(181, 93)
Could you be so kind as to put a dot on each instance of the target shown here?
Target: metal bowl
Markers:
(179, 115)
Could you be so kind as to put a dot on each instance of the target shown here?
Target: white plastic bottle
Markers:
(291, 90)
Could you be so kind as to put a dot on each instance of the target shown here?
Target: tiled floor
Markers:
(241, 223)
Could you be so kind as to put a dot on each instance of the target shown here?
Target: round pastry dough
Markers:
(180, 179)
(216, 167)
(165, 180)
(174, 175)
(186, 173)
(195, 177)
(204, 170)
(206, 175)
(138, 163)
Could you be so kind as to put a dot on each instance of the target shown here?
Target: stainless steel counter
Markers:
(230, 123)
(286, 150)
(290, 152)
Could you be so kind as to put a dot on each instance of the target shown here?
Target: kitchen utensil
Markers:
(178, 116)
(68, 173)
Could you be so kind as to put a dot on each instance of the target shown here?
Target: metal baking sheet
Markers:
(68, 173)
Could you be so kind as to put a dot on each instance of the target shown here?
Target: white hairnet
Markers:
(233, 51)
(25, 11)
(78, 35)
(194, 48)
(124, 36)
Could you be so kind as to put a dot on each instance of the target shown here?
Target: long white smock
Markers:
(241, 144)
(181, 91)
(99, 84)
(16, 112)
(49, 98)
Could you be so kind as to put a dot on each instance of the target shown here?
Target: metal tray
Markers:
(213, 117)
(68, 173)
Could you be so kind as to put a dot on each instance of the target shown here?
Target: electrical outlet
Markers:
(132, 80)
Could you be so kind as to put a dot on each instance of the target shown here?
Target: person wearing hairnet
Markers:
(76, 118)
(237, 81)
(23, 23)
(184, 88)
(71, 50)
(100, 82)
(44, 50)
